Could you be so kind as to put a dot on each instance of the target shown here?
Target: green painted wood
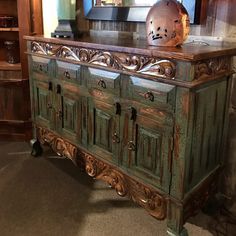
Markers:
(209, 106)
(183, 129)
(103, 130)
(148, 146)
(68, 72)
(42, 103)
(104, 81)
(150, 93)
(41, 67)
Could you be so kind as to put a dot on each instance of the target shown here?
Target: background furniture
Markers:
(152, 122)
(15, 123)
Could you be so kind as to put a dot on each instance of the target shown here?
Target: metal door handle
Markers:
(59, 114)
(58, 89)
(118, 108)
(131, 146)
(50, 86)
(133, 114)
(115, 138)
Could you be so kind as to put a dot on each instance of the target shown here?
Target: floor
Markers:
(48, 196)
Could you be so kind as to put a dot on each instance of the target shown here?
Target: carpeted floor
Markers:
(47, 196)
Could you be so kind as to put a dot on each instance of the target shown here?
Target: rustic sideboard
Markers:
(150, 121)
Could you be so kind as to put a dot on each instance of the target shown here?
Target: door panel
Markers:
(43, 103)
(69, 115)
(103, 130)
(147, 150)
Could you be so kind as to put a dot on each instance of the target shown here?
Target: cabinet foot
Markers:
(170, 232)
(37, 150)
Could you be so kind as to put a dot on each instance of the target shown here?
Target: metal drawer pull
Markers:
(50, 86)
(149, 95)
(131, 146)
(133, 113)
(115, 138)
(118, 108)
(49, 106)
(67, 75)
(58, 89)
(40, 67)
(102, 83)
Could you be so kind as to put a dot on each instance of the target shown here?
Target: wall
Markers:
(49, 16)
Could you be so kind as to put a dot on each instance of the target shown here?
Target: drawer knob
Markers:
(149, 96)
(67, 75)
(102, 83)
(115, 138)
(131, 146)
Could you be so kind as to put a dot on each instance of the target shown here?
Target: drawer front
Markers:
(41, 66)
(68, 72)
(102, 80)
(151, 93)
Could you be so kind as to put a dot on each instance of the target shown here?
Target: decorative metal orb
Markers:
(167, 23)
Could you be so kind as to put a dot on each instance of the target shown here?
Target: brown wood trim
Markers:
(13, 82)
(11, 29)
(11, 67)
(151, 200)
(15, 130)
(185, 53)
(15, 122)
(185, 84)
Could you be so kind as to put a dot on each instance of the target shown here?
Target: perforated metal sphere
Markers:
(167, 23)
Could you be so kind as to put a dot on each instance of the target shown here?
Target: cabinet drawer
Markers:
(105, 81)
(150, 92)
(41, 66)
(69, 72)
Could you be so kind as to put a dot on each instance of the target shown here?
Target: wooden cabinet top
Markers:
(188, 52)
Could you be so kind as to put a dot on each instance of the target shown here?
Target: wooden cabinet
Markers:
(152, 123)
(15, 117)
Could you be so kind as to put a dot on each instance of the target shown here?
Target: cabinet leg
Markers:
(37, 149)
(175, 220)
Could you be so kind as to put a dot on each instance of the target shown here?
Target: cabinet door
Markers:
(103, 130)
(68, 113)
(149, 149)
(43, 102)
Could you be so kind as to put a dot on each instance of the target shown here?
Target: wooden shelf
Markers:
(7, 66)
(15, 29)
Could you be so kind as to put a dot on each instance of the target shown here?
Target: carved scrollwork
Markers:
(37, 48)
(66, 53)
(149, 199)
(214, 66)
(120, 61)
(60, 146)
